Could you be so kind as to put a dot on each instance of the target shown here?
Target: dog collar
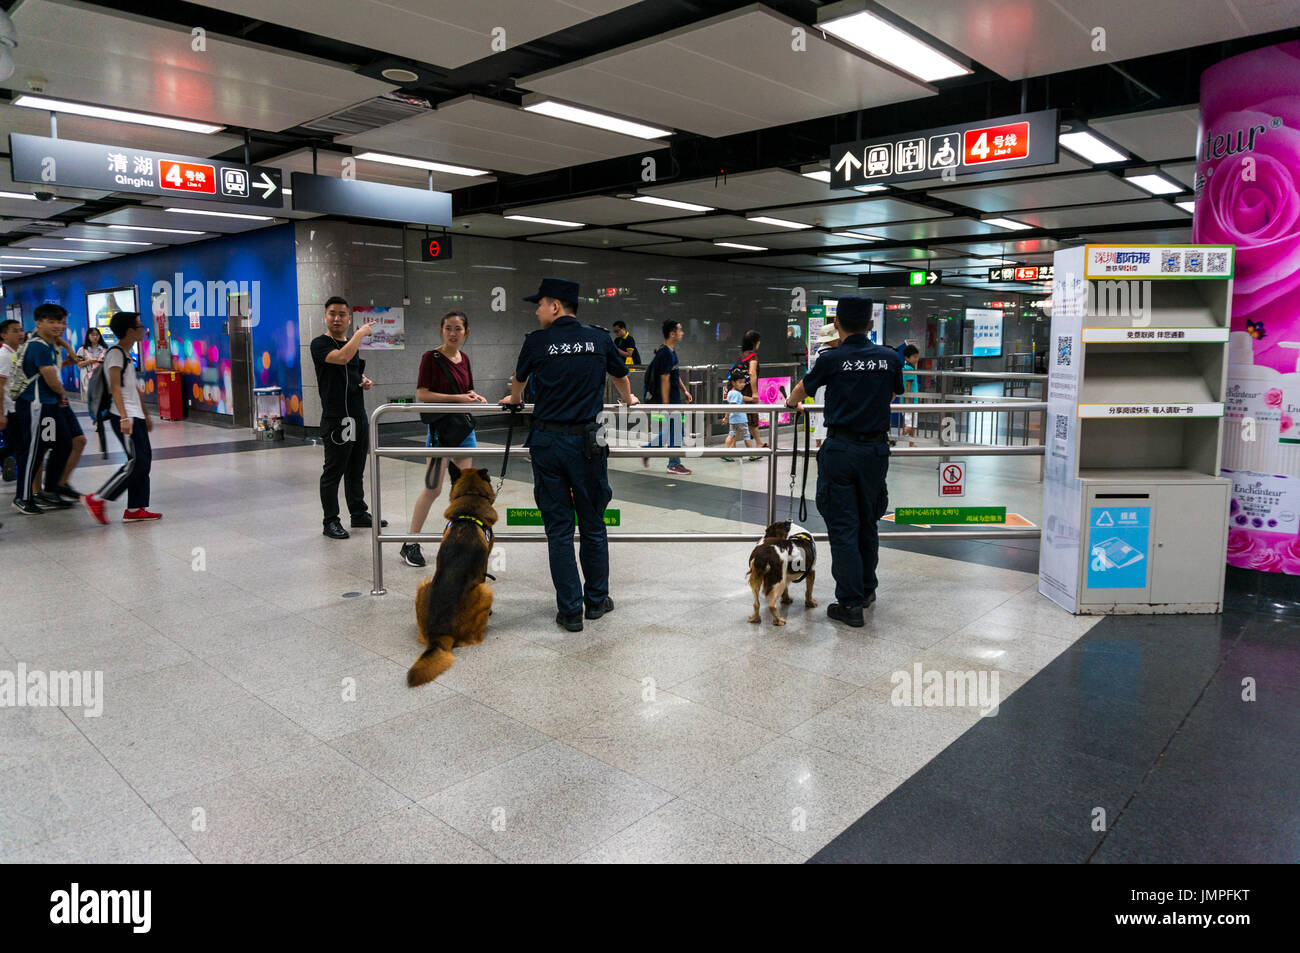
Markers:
(487, 530)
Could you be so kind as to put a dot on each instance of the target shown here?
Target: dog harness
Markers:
(487, 530)
(797, 568)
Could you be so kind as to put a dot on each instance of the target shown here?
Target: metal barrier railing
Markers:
(612, 413)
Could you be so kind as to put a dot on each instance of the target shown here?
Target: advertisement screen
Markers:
(102, 305)
(988, 332)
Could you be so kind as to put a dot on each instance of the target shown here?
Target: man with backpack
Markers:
(664, 385)
(45, 421)
(115, 393)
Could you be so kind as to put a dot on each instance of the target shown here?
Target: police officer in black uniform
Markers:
(861, 380)
(564, 366)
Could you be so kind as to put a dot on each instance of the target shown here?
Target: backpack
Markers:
(741, 365)
(99, 392)
(18, 381)
(649, 391)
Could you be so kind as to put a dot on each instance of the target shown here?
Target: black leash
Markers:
(510, 431)
(800, 423)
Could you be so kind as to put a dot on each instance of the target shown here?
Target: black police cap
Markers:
(854, 309)
(557, 288)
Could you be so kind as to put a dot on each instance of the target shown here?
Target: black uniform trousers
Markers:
(851, 497)
(132, 476)
(345, 460)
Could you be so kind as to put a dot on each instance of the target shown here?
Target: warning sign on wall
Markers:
(952, 478)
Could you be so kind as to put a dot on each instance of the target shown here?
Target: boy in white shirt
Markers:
(11, 336)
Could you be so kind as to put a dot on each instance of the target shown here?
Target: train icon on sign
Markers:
(878, 160)
(234, 182)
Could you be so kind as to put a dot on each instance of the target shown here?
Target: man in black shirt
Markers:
(664, 384)
(625, 344)
(344, 427)
(861, 381)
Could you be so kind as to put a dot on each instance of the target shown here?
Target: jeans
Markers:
(676, 426)
(564, 481)
(851, 496)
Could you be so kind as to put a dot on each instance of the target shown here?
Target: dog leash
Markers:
(510, 431)
(799, 424)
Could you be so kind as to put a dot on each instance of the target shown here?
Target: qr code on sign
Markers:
(1064, 348)
(1171, 262)
(1195, 261)
(1216, 262)
(1062, 426)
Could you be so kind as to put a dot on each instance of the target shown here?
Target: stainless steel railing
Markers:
(612, 414)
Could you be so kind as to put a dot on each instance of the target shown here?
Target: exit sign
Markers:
(436, 249)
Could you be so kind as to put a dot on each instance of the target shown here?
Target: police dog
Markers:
(786, 555)
(453, 607)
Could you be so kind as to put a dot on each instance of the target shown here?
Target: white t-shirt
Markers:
(130, 388)
(7, 372)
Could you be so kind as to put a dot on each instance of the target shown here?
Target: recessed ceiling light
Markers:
(741, 247)
(1007, 223)
(35, 258)
(117, 115)
(105, 241)
(27, 267)
(868, 188)
(419, 164)
(672, 203)
(17, 195)
(897, 47)
(562, 261)
(1154, 183)
(199, 211)
(544, 221)
(780, 222)
(71, 251)
(149, 228)
(862, 235)
(588, 117)
(396, 75)
(1090, 147)
(1188, 206)
(821, 175)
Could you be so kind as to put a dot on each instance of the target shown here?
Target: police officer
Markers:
(564, 365)
(861, 380)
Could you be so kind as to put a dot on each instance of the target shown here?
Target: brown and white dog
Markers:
(785, 556)
(453, 607)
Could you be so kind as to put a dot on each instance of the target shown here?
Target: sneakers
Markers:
(727, 459)
(27, 507)
(680, 470)
(334, 529)
(139, 516)
(849, 615)
(68, 493)
(95, 507)
(595, 612)
(412, 556)
(572, 623)
(365, 521)
(52, 501)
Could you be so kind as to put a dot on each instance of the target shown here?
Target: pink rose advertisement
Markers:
(1248, 195)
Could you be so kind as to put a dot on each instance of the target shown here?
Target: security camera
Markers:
(465, 225)
(45, 196)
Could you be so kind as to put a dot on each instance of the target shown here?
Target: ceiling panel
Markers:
(1081, 189)
(52, 244)
(116, 59)
(1006, 249)
(601, 238)
(234, 208)
(790, 238)
(1154, 135)
(601, 210)
(852, 213)
(856, 269)
(687, 249)
(1114, 214)
(1067, 163)
(330, 163)
(748, 190)
(8, 225)
(707, 226)
(447, 33)
(495, 226)
(894, 254)
(157, 218)
(790, 261)
(1184, 172)
(728, 74)
(1020, 38)
(487, 134)
(936, 228)
(79, 230)
(31, 208)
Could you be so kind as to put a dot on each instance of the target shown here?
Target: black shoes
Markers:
(334, 530)
(412, 556)
(27, 507)
(68, 493)
(52, 501)
(572, 623)
(364, 521)
(595, 612)
(849, 615)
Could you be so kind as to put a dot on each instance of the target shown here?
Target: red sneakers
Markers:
(95, 507)
(138, 516)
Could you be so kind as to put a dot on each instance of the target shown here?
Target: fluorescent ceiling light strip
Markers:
(420, 164)
(1154, 183)
(783, 223)
(1188, 206)
(1087, 146)
(71, 251)
(887, 42)
(29, 267)
(868, 188)
(588, 117)
(544, 221)
(862, 235)
(672, 203)
(1007, 223)
(741, 247)
(105, 241)
(199, 211)
(34, 258)
(17, 195)
(148, 228)
(116, 115)
(821, 175)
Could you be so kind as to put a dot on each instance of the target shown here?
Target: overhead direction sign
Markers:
(1022, 273)
(921, 277)
(1008, 142)
(377, 200)
(118, 168)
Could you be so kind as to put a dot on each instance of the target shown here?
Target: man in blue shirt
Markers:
(664, 385)
(861, 381)
(46, 422)
(564, 364)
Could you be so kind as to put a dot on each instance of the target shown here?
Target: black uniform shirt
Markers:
(861, 380)
(340, 384)
(565, 365)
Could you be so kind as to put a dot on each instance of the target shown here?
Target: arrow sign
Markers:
(931, 277)
(849, 163)
(266, 185)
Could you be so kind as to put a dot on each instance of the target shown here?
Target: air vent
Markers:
(373, 113)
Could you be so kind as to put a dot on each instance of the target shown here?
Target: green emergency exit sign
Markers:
(916, 278)
(531, 516)
(936, 515)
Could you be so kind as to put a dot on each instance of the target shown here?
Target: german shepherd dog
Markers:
(786, 555)
(453, 607)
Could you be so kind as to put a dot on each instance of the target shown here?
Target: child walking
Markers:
(739, 422)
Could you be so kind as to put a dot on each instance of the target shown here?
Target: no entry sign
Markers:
(952, 478)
